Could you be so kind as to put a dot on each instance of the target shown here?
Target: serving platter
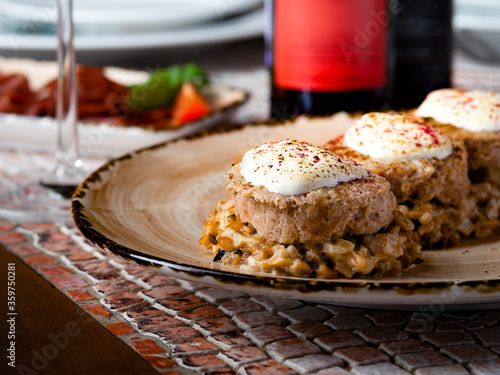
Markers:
(148, 207)
(39, 134)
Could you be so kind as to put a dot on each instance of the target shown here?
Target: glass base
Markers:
(28, 199)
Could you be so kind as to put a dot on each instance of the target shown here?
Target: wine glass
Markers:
(36, 195)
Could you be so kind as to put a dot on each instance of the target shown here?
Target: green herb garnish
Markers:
(163, 85)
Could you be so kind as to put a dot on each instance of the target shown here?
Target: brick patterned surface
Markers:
(333, 371)
(338, 340)
(266, 334)
(146, 346)
(142, 312)
(115, 286)
(269, 367)
(122, 300)
(41, 260)
(489, 336)
(240, 356)
(229, 340)
(54, 271)
(217, 325)
(80, 257)
(221, 371)
(363, 355)
(188, 328)
(69, 281)
(308, 330)
(215, 295)
(471, 326)
(201, 361)
(485, 367)
(378, 335)
(23, 250)
(347, 322)
(174, 305)
(394, 348)
(11, 238)
(454, 369)
(149, 281)
(175, 333)
(335, 310)
(313, 362)
(161, 292)
(417, 327)
(157, 322)
(413, 361)
(386, 318)
(383, 368)
(200, 313)
(80, 295)
(277, 304)
(97, 310)
(239, 305)
(304, 314)
(446, 339)
(192, 345)
(120, 329)
(464, 354)
(291, 348)
(257, 319)
(160, 363)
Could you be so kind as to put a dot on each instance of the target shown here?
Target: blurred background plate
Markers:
(477, 28)
(112, 45)
(120, 16)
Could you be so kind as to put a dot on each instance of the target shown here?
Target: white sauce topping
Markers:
(472, 110)
(394, 137)
(291, 167)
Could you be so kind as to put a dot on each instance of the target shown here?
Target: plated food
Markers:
(427, 170)
(105, 136)
(441, 160)
(370, 200)
(169, 98)
(149, 207)
(300, 210)
(472, 117)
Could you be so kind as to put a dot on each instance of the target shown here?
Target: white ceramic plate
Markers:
(124, 16)
(40, 134)
(246, 26)
(149, 207)
(476, 15)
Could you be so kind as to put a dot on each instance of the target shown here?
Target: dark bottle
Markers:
(423, 38)
(327, 55)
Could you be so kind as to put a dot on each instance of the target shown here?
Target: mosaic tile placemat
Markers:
(189, 328)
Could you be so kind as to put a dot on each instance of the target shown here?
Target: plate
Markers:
(39, 134)
(481, 15)
(123, 16)
(149, 207)
(242, 27)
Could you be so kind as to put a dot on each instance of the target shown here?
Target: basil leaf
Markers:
(164, 84)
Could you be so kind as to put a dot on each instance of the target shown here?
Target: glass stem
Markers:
(68, 160)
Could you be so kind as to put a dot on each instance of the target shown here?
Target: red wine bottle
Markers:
(423, 37)
(326, 56)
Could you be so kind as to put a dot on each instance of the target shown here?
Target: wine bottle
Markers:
(326, 56)
(423, 38)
